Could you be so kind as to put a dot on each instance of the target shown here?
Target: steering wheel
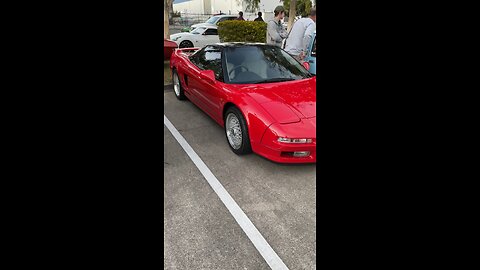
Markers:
(235, 68)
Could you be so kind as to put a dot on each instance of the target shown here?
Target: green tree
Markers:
(292, 7)
(166, 33)
(250, 5)
(291, 14)
(302, 6)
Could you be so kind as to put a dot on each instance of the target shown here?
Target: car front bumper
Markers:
(281, 152)
(281, 156)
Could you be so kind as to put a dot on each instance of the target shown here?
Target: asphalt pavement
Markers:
(200, 232)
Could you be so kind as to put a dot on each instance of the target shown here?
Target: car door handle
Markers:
(310, 61)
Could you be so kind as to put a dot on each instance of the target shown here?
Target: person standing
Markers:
(301, 36)
(259, 18)
(275, 31)
(240, 16)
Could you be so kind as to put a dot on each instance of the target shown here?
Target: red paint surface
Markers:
(285, 109)
(168, 48)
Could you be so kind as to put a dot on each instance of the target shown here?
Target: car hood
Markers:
(287, 102)
(180, 35)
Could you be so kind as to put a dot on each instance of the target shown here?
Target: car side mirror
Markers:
(208, 75)
(306, 65)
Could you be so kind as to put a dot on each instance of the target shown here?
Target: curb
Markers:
(168, 87)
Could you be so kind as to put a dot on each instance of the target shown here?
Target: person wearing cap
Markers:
(259, 18)
(301, 36)
(275, 31)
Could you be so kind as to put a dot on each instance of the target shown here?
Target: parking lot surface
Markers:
(200, 232)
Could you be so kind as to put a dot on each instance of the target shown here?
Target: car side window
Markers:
(226, 19)
(211, 32)
(195, 58)
(210, 59)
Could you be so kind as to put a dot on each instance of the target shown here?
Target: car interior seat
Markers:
(256, 64)
(233, 60)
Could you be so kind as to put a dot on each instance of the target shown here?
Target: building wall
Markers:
(192, 6)
(269, 5)
(225, 6)
(207, 7)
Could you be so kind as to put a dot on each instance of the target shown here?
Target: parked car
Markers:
(168, 48)
(311, 58)
(214, 20)
(263, 98)
(201, 36)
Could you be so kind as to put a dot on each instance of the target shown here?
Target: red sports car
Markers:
(262, 96)
(168, 47)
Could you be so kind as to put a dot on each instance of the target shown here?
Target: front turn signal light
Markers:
(288, 140)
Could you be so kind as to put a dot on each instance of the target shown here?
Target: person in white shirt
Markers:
(301, 35)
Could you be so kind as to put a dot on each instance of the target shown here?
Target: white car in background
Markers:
(214, 20)
(199, 37)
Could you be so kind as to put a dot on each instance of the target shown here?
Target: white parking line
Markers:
(247, 226)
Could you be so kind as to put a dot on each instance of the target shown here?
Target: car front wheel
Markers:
(177, 86)
(237, 132)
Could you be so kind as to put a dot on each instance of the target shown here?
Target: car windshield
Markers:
(212, 20)
(198, 30)
(261, 64)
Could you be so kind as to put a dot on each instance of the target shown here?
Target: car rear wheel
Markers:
(185, 44)
(237, 132)
(177, 86)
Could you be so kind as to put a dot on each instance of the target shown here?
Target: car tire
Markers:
(235, 125)
(185, 44)
(177, 86)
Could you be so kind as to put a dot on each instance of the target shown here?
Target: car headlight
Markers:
(288, 140)
(176, 38)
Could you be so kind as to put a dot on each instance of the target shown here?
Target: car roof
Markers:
(241, 44)
(208, 26)
(225, 16)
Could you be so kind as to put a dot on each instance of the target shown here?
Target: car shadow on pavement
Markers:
(287, 164)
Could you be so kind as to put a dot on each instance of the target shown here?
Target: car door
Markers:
(207, 93)
(192, 79)
(224, 19)
(210, 36)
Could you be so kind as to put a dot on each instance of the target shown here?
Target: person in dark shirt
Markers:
(240, 16)
(259, 19)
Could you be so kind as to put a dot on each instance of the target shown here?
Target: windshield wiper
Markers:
(275, 80)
